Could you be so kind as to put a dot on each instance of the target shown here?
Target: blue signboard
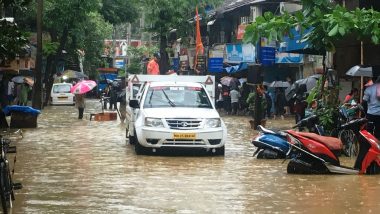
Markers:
(215, 64)
(296, 43)
(282, 58)
(267, 55)
(234, 53)
(119, 63)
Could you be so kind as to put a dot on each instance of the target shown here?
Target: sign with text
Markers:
(183, 63)
(119, 63)
(201, 64)
(267, 55)
(215, 64)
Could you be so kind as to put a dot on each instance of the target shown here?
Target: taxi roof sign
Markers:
(209, 81)
(135, 79)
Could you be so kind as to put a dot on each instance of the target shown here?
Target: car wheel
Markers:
(132, 139)
(139, 149)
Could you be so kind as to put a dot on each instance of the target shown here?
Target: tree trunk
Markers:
(324, 76)
(48, 81)
(164, 60)
(37, 88)
(53, 61)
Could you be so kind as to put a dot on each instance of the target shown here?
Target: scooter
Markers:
(270, 144)
(273, 144)
(314, 154)
(346, 114)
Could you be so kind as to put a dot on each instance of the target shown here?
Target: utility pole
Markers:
(37, 95)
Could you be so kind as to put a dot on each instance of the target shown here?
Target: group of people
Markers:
(370, 102)
(243, 98)
(17, 93)
(110, 98)
(234, 99)
(111, 92)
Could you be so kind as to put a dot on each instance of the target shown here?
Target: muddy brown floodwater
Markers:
(68, 165)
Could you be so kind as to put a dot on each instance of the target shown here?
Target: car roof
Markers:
(63, 83)
(190, 84)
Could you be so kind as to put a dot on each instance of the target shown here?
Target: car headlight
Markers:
(213, 123)
(153, 122)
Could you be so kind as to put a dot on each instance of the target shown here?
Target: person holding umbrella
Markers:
(79, 90)
(80, 103)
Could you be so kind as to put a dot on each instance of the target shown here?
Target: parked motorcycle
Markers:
(314, 154)
(273, 144)
(270, 144)
(346, 114)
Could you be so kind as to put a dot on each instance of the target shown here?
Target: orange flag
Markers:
(199, 44)
(198, 40)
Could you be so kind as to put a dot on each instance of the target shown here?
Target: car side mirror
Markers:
(134, 104)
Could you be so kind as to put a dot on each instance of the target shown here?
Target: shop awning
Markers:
(236, 68)
(230, 5)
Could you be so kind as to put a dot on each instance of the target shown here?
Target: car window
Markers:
(61, 89)
(176, 96)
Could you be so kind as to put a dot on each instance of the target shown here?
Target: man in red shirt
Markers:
(153, 67)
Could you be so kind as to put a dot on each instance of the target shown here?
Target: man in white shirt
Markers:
(10, 92)
(235, 96)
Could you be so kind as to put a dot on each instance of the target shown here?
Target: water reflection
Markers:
(71, 166)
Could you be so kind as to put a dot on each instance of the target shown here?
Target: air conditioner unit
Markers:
(289, 7)
(255, 12)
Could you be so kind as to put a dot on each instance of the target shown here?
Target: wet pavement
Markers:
(68, 165)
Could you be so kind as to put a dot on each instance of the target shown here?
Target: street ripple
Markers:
(68, 165)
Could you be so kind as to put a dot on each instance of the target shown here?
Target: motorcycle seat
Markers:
(331, 142)
(268, 131)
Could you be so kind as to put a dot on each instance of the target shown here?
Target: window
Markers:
(61, 89)
(176, 96)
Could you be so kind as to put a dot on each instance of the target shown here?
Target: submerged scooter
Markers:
(315, 154)
(273, 144)
(270, 144)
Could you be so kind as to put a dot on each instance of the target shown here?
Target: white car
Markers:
(61, 95)
(176, 114)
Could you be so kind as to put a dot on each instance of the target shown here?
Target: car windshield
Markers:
(61, 89)
(176, 96)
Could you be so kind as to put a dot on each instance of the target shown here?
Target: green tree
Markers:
(12, 38)
(136, 55)
(77, 24)
(328, 23)
(164, 15)
(119, 11)
(90, 37)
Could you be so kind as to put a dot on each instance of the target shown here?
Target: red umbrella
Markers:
(83, 86)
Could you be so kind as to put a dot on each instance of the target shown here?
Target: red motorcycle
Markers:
(314, 154)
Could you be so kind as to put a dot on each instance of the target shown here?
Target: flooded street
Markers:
(68, 165)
